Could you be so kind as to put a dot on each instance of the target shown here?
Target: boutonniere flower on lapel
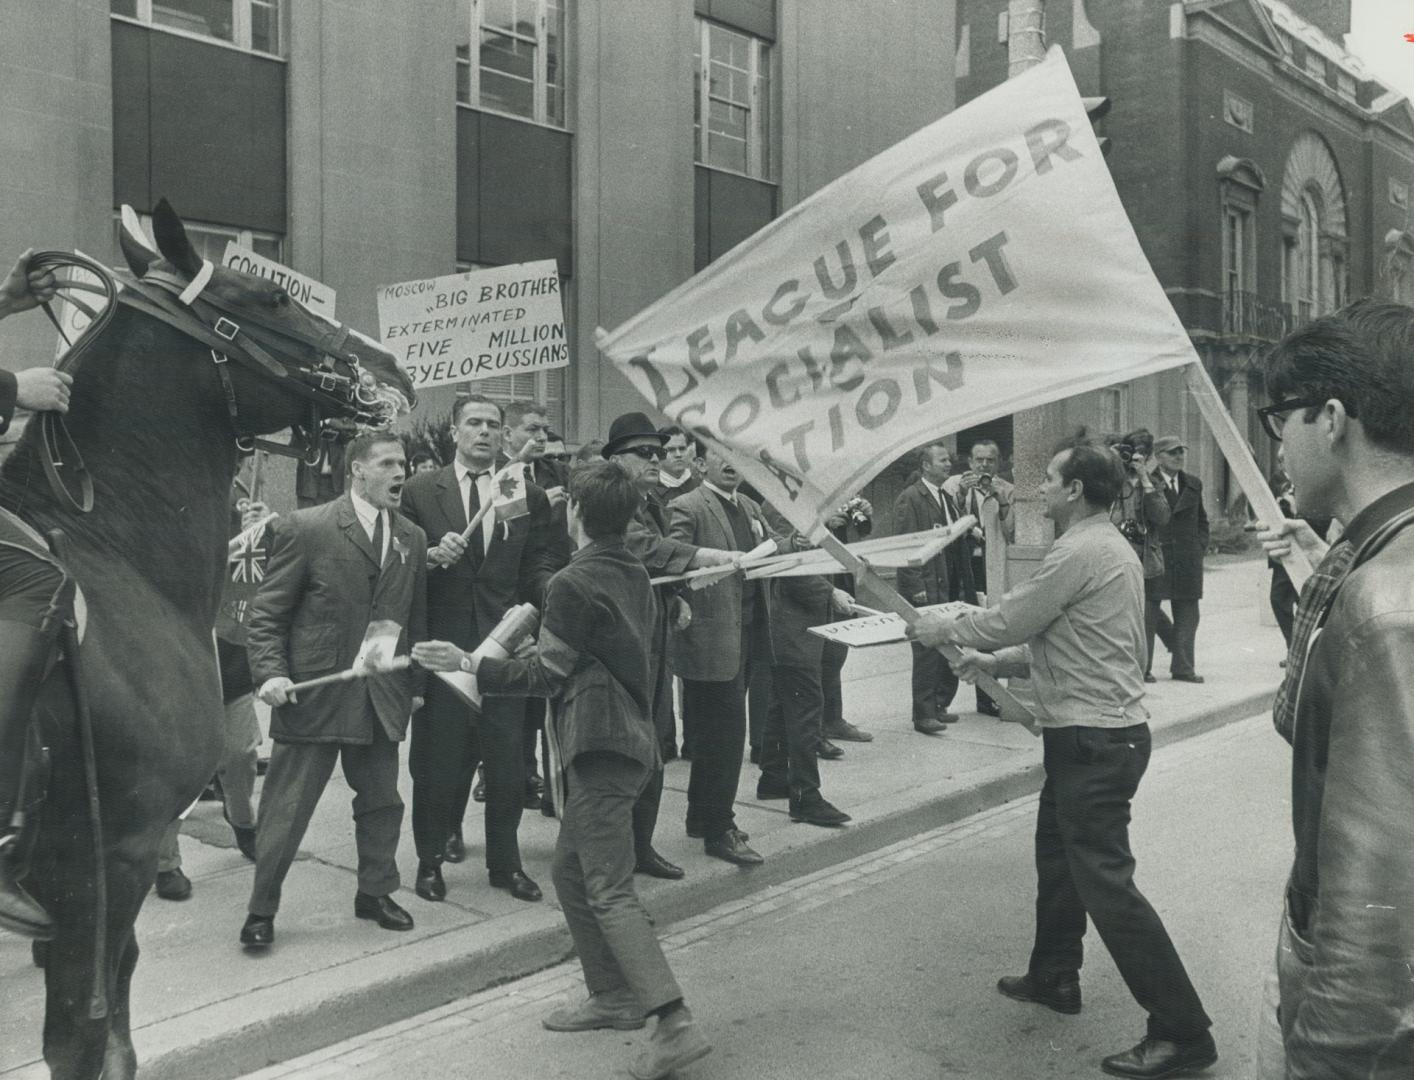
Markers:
(401, 549)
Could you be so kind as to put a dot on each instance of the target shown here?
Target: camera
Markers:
(1133, 531)
(1125, 452)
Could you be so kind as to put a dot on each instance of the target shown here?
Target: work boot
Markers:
(617, 1009)
(24, 654)
(675, 1042)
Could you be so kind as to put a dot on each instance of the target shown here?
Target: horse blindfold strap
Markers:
(198, 283)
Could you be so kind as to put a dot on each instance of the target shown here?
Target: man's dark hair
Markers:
(606, 498)
(480, 399)
(516, 411)
(1095, 465)
(1142, 439)
(670, 430)
(1361, 355)
(361, 447)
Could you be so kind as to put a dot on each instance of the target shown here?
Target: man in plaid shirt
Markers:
(1343, 407)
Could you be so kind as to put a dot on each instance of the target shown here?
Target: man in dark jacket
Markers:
(1341, 389)
(1185, 540)
(471, 584)
(638, 448)
(595, 658)
(924, 504)
(333, 570)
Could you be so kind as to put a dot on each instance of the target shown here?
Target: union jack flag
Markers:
(247, 557)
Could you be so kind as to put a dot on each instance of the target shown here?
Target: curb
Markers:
(228, 1039)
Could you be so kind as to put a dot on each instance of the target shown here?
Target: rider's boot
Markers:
(24, 654)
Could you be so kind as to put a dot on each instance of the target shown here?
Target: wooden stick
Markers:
(1244, 468)
(398, 663)
(953, 533)
(865, 575)
(481, 512)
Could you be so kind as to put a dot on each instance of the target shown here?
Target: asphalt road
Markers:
(885, 966)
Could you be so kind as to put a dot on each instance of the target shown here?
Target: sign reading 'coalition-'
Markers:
(508, 320)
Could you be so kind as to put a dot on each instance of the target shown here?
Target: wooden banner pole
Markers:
(1239, 460)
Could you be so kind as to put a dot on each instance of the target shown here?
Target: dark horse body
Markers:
(149, 416)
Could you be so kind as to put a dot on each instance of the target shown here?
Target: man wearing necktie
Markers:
(925, 504)
(1185, 540)
(471, 584)
(334, 569)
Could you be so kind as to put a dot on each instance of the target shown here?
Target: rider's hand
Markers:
(23, 288)
(43, 389)
(276, 691)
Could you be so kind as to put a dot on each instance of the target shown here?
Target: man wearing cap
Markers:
(1184, 541)
(638, 447)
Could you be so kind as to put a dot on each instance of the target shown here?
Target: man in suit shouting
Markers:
(471, 584)
(925, 504)
(714, 654)
(333, 569)
(1185, 540)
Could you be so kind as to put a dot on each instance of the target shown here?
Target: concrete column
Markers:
(56, 149)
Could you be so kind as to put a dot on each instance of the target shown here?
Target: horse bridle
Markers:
(338, 399)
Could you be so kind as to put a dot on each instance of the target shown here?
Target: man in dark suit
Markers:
(527, 428)
(729, 632)
(471, 584)
(1185, 540)
(333, 570)
(637, 448)
(924, 504)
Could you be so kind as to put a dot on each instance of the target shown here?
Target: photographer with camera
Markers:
(1140, 513)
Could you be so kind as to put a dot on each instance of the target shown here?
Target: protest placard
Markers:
(508, 320)
(314, 295)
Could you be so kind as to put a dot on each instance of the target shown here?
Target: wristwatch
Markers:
(465, 664)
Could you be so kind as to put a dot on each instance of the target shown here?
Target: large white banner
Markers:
(508, 320)
(981, 266)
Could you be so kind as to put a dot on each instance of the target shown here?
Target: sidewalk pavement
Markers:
(202, 1007)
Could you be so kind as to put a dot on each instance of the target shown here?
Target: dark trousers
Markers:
(449, 740)
(593, 875)
(793, 729)
(1283, 596)
(1177, 635)
(297, 776)
(934, 683)
(832, 660)
(717, 712)
(645, 812)
(1084, 867)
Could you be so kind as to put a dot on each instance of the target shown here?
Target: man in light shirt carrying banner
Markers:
(980, 267)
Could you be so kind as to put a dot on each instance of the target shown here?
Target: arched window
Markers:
(1308, 260)
(1314, 229)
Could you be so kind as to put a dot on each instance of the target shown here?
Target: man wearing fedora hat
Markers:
(638, 447)
(1185, 539)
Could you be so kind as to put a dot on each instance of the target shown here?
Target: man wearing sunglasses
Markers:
(638, 447)
(1343, 408)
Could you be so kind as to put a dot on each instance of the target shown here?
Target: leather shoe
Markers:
(828, 750)
(814, 809)
(928, 725)
(1188, 678)
(675, 1042)
(173, 885)
(948, 718)
(430, 885)
(771, 787)
(520, 886)
(478, 790)
(1154, 1058)
(1060, 994)
(987, 707)
(654, 865)
(258, 931)
(1149, 677)
(532, 797)
(383, 910)
(844, 731)
(731, 847)
(617, 1009)
(455, 851)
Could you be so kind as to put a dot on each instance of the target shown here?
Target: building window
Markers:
(1315, 64)
(246, 24)
(1307, 276)
(1112, 411)
(1237, 111)
(1237, 249)
(1345, 83)
(518, 66)
(732, 100)
(210, 240)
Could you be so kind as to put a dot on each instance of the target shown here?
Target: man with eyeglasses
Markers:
(638, 447)
(555, 452)
(1343, 408)
(1185, 540)
(678, 474)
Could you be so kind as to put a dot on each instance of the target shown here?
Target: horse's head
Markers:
(285, 367)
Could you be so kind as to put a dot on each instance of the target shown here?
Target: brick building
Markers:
(365, 142)
(1267, 174)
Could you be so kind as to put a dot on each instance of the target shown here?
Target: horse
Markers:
(160, 418)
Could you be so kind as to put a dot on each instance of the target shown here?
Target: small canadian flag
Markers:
(508, 498)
